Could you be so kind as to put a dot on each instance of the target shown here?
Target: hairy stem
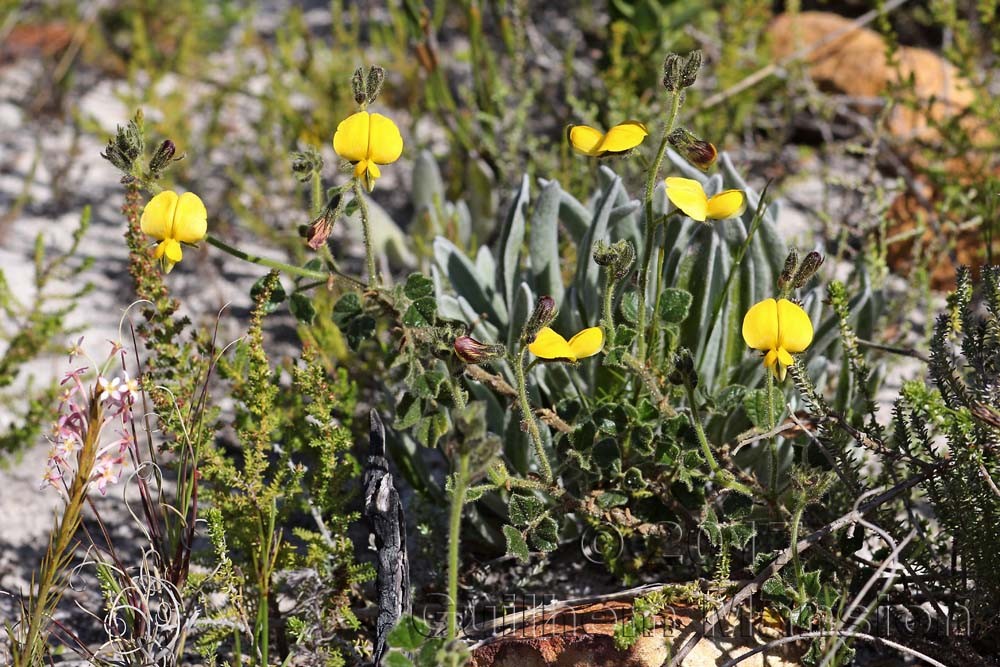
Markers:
(264, 261)
(454, 538)
(528, 416)
(647, 249)
(700, 430)
(366, 231)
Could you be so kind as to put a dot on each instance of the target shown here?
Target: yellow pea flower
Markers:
(173, 220)
(550, 345)
(688, 195)
(778, 328)
(619, 139)
(367, 140)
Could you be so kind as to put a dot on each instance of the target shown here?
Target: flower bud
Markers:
(307, 163)
(544, 313)
(373, 85)
(810, 265)
(681, 72)
(318, 231)
(163, 156)
(689, 71)
(683, 372)
(358, 85)
(618, 257)
(471, 351)
(698, 152)
(672, 72)
(791, 263)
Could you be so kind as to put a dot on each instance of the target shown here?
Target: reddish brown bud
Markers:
(471, 351)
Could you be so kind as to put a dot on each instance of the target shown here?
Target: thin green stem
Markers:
(700, 430)
(264, 261)
(454, 537)
(647, 249)
(609, 293)
(366, 231)
(529, 417)
(318, 198)
(796, 565)
(772, 477)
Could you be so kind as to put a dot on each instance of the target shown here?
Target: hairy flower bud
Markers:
(683, 373)
(791, 263)
(318, 231)
(358, 85)
(618, 257)
(689, 71)
(373, 85)
(679, 71)
(698, 152)
(810, 265)
(471, 351)
(163, 156)
(672, 65)
(307, 163)
(544, 313)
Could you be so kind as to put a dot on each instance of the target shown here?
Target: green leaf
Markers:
(421, 312)
(543, 244)
(393, 659)
(774, 587)
(610, 499)
(630, 307)
(516, 546)
(418, 286)
(511, 240)
(545, 535)
(755, 405)
(524, 509)
(428, 384)
(409, 634)
(347, 308)
(302, 308)
(408, 412)
(674, 305)
(277, 294)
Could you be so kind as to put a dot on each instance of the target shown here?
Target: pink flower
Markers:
(105, 472)
(51, 477)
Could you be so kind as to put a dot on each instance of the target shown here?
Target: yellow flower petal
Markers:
(760, 326)
(172, 250)
(190, 219)
(688, 195)
(585, 139)
(771, 358)
(795, 329)
(623, 137)
(784, 358)
(385, 143)
(372, 173)
(587, 343)
(351, 138)
(158, 215)
(727, 204)
(550, 345)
